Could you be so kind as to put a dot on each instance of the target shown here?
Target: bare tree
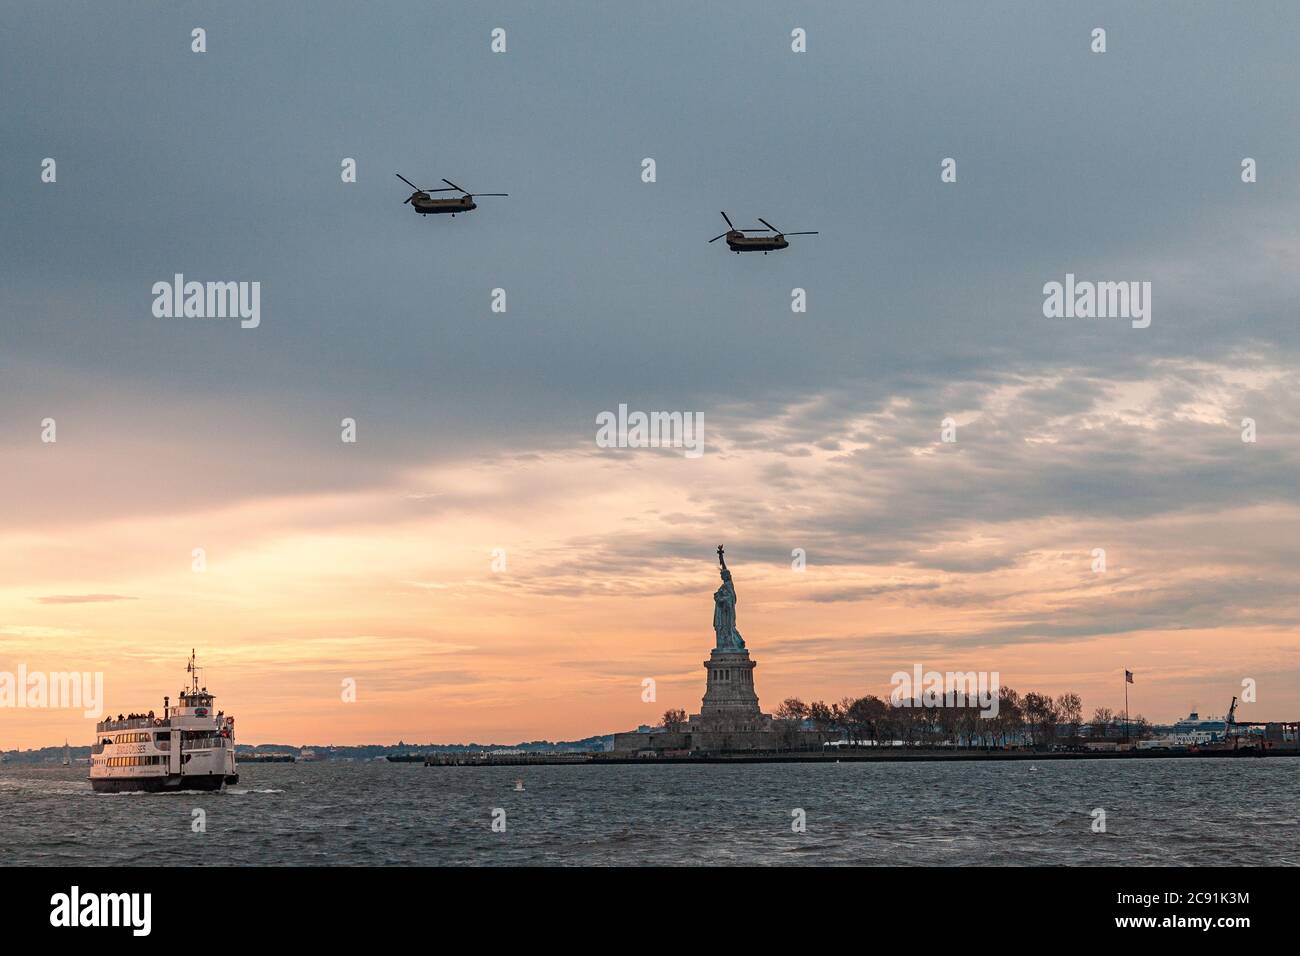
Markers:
(908, 723)
(821, 715)
(792, 708)
(1014, 723)
(841, 720)
(948, 724)
(789, 719)
(869, 715)
(1070, 708)
(934, 722)
(969, 724)
(1007, 724)
(1103, 718)
(1040, 718)
(674, 720)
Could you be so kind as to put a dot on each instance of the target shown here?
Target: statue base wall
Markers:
(730, 702)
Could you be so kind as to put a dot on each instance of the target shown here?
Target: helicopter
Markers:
(424, 204)
(738, 242)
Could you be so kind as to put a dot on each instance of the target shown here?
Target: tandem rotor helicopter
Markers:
(425, 204)
(738, 242)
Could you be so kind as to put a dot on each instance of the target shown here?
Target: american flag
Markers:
(1128, 676)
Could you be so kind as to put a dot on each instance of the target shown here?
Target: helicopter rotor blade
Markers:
(717, 237)
(455, 187)
(729, 225)
(407, 181)
(768, 224)
(487, 194)
(800, 233)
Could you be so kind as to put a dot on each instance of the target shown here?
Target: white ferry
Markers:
(190, 747)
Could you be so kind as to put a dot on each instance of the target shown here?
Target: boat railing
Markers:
(131, 723)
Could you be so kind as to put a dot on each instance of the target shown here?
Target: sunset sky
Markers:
(476, 431)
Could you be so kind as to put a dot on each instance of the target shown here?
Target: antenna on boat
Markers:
(193, 669)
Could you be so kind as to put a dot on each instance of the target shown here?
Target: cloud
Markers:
(869, 591)
(36, 631)
(82, 598)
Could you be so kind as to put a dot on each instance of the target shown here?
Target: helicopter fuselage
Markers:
(426, 206)
(739, 242)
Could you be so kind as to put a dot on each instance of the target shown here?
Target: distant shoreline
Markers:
(855, 756)
(615, 758)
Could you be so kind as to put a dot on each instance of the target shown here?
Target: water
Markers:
(1172, 812)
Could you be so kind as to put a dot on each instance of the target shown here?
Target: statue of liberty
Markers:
(724, 611)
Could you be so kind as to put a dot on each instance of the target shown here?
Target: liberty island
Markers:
(729, 718)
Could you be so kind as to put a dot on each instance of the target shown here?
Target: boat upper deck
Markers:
(134, 722)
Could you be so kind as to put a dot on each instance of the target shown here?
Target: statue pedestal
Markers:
(729, 698)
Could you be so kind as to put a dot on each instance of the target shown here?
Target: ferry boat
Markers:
(188, 748)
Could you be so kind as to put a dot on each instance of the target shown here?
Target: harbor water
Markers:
(1157, 812)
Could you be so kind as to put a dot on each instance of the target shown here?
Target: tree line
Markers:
(1038, 720)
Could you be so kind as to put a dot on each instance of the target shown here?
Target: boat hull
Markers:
(172, 782)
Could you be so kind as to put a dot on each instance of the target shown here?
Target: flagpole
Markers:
(1126, 737)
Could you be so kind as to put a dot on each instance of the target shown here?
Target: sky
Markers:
(373, 561)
